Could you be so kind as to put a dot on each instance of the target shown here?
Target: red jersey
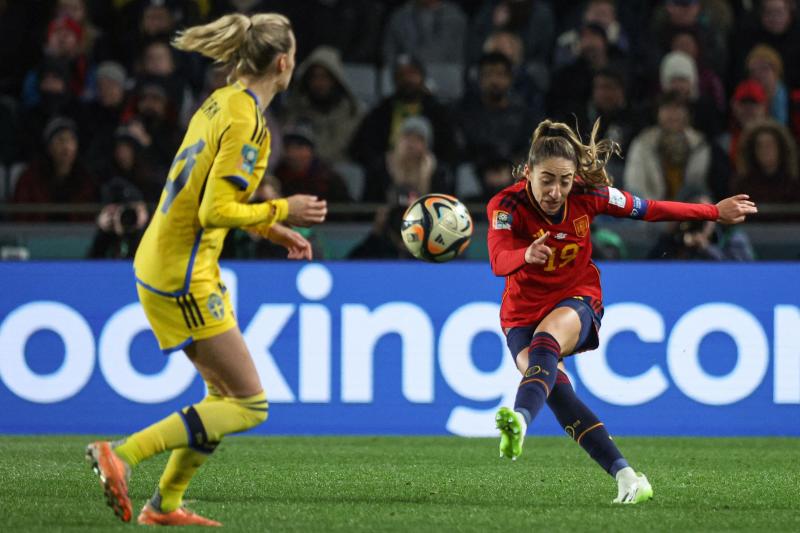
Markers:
(516, 220)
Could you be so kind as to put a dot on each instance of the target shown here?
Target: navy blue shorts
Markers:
(519, 338)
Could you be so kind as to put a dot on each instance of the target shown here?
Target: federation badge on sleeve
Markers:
(501, 220)
(249, 158)
(615, 197)
(581, 225)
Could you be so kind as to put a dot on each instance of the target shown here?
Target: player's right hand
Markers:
(538, 252)
(306, 210)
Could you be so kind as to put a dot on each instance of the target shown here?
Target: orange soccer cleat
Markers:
(179, 517)
(113, 474)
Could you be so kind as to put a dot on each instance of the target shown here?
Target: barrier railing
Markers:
(340, 210)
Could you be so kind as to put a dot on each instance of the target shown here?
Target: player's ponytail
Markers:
(556, 139)
(247, 44)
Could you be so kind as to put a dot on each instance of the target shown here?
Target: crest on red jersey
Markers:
(581, 225)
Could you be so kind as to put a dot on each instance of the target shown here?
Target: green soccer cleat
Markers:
(632, 487)
(512, 432)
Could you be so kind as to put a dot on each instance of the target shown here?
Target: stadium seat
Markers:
(468, 183)
(353, 176)
(363, 81)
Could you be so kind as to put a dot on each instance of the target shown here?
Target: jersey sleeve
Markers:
(234, 169)
(622, 204)
(506, 250)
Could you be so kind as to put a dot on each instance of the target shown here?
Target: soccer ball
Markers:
(436, 228)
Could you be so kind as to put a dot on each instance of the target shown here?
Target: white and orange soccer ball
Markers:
(436, 228)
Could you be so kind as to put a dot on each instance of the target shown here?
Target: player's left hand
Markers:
(734, 209)
(298, 246)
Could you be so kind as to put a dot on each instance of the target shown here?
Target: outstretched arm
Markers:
(620, 203)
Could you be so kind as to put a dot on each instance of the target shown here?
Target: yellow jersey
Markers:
(218, 167)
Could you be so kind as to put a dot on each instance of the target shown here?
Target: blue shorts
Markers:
(519, 338)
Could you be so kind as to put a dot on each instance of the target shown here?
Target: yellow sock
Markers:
(198, 426)
(167, 434)
(218, 416)
(181, 467)
(231, 415)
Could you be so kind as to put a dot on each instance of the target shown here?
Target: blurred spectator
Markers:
(105, 112)
(572, 83)
(354, 27)
(159, 62)
(121, 222)
(410, 168)
(77, 11)
(380, 128)
(767, 166)
(775, 25)
(765, 66)
(58, 175)
(748, 105)
(525, 83)
(532, 20)
(302, 171)
(126, 163)
(702, 240)
(142, 21)
(600, 12)
(709, 20)
(709, 84)
(495, 122)
(494, 175)
(609, 103)
(668, 156)
(678, 74)
(384, 240)
(435, 31)
(321, 97)
(64, 45)
(151, 119)
(54, 99)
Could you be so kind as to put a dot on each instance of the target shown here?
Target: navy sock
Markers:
(584, 427)
(540, 377)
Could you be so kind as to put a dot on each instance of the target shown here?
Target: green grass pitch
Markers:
(423, 484)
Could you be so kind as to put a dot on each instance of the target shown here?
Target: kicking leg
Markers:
(590, 433)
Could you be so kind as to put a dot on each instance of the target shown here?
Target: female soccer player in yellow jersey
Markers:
(217, 168)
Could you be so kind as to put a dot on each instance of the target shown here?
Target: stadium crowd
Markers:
(395, 99)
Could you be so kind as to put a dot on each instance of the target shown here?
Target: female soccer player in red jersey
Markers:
(539, 239)
(218, 167)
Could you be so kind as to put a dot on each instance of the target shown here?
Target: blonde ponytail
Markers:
(556, 139)
(247, 44)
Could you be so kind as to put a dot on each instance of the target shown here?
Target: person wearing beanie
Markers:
(678, 74)
(104, 113)
(57, 175)
(411, 168)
